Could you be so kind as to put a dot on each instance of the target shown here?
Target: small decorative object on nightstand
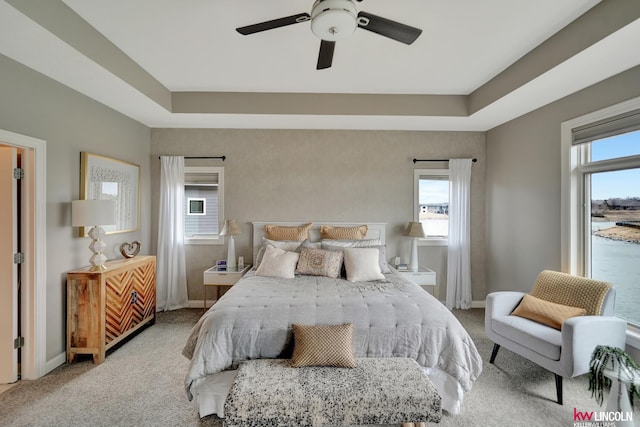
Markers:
(231, 229)
(415, 231)
(229, 277)
(423, 277)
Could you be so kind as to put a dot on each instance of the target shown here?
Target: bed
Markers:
(392, 317)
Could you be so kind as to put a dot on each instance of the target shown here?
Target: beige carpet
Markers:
(141, 384)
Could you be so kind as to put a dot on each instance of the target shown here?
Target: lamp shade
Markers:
(230, 228)
(414, 229)
(93, 212)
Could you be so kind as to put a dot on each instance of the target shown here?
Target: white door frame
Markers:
(34, 292)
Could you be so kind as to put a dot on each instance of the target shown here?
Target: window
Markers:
(604, 187)
(196, 206)
(203, 206)
(431, 204)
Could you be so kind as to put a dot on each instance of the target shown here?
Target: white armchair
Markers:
(565, 352)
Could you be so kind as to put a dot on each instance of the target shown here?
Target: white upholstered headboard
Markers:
(375, 230)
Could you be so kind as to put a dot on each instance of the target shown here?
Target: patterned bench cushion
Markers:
(269, 392)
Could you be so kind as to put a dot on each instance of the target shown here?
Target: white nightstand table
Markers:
(213, 277)
(423, 277)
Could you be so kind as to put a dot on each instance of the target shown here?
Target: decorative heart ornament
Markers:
(129, 250)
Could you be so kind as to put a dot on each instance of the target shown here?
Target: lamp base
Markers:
(231, 254)
(98, 259)
(413, 265)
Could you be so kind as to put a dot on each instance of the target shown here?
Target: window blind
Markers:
(616, 125)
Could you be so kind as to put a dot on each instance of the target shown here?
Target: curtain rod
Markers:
(204, 157)
(437, 160)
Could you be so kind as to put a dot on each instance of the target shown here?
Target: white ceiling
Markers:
(192, 45)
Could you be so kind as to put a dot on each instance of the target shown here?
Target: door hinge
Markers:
(18, 173)
(18, 258)
(18, 342)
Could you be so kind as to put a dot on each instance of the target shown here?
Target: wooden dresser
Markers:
(104, 307)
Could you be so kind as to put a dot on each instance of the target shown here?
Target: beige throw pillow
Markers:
(318, 345)
(278, 263)
(346, 233)
(281, 232)
(545, 312)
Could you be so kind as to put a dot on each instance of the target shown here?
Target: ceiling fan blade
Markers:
(325, 57)
(275, 23)
(388, 28)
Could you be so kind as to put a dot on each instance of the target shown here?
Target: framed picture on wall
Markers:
(104, 178)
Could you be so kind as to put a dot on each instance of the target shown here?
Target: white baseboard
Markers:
(197, 303)
(479, 304)
(52, 364)
(474, 304)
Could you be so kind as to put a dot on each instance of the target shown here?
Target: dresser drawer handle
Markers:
(134, 297)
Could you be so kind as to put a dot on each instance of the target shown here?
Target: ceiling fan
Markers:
(333, 20)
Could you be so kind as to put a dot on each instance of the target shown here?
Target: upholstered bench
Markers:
(269, 392)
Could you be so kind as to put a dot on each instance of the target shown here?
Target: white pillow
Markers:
(278, 263)
(362, 264)
(287, 245)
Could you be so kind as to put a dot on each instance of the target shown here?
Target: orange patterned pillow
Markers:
(281, 232)
(329, 345)
(343, 233)
(545, 312)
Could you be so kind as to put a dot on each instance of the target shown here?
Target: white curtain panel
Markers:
(459, 253)
(171, 266)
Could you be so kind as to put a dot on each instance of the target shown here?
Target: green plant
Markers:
(614, 358)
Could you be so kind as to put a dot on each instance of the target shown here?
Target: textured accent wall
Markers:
(291, 175)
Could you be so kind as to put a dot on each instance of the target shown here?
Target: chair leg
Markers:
(494, 353)
(559, 388)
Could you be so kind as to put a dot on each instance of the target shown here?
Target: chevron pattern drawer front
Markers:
(104, 307)
(130, 299)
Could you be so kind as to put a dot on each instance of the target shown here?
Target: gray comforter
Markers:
(391, 318)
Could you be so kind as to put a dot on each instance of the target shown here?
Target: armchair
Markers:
(565, 352)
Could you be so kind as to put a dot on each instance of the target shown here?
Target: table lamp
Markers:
(415, 231)
(94, 213)
(231, 229)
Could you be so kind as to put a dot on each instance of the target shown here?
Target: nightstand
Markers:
(423, 277)
(213, 277)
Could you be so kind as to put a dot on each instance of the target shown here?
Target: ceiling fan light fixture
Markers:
(333, 20)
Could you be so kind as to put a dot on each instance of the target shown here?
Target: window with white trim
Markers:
(431, 204)
(203, 205)
(605, 212)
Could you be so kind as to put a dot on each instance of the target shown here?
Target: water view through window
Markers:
(434, 205)
(615, 223)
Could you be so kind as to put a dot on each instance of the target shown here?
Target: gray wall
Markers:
(37, 106)
(320, 175)
(523, 184)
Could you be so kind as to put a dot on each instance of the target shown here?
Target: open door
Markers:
(8, 268)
